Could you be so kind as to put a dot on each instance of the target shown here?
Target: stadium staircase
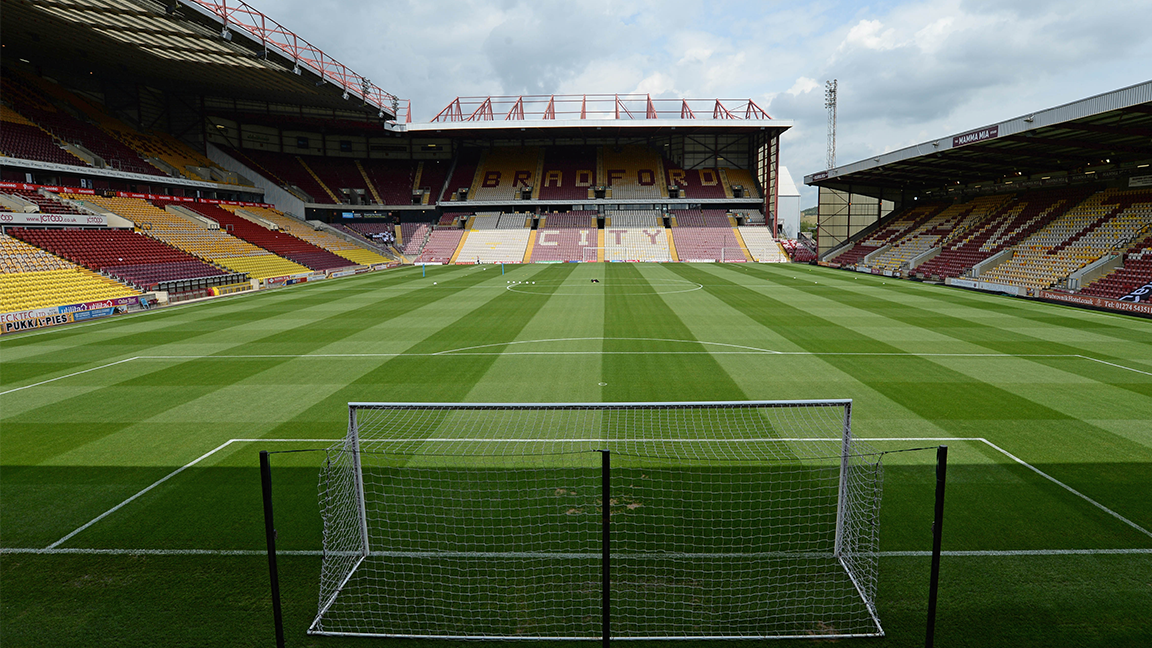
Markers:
(371, 185)
(318, 181)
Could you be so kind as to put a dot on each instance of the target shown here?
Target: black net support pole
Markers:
(270, 534)
(605, 547)
(937, 524)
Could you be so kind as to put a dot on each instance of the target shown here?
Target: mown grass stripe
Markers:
(116, 338)
(951, 400)
(632, 305)
(998, 339)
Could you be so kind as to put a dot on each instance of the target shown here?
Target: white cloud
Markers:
(868, 34)
(803, 85)
(656, 84)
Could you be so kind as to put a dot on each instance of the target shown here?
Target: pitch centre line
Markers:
(602, 339)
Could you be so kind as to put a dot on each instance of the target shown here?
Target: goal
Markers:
(583, 521)
(593, 254)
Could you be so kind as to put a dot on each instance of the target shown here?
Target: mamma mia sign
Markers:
(972, 137)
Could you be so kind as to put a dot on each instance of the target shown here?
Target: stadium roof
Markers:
(592, 128)
(1108, 134)
(216, 48)
(597, 116)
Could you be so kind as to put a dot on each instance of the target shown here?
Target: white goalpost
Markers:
(703, 520)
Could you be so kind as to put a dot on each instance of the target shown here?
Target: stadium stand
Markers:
(32, 278)
(762, 245)
(321, 239)
(695, 183)
(798, 251)
(1096, 226)
(513, 221)
(633, 172)
(31, 98)
(495, 246)
(697, 244)
(369, 229)
(20, 138)
(636, 244)
(196, 238)
(367, 238)
(751, 217)
(415, 238)
(1135, 273)
(562, 244)
(167, 149)
(280, 243)
(730, 177)
(485, 220)
(569, 173)
(635, 218)
(504, 172)
(1002, 228)
(925, 235)
(46, 203)
(895, 227)
(430, 177)
(134, 259)
(555, 220)
(462, 175)
(287, 171)
(393, 180)
(701, 218)
(340, 178)
(441, 246)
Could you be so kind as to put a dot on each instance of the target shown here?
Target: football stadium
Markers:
(283, 365)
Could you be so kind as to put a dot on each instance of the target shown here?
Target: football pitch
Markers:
(130, 499)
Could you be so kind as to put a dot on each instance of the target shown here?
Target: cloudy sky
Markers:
(907, 71)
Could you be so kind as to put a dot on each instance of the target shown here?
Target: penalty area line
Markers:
(75, 373)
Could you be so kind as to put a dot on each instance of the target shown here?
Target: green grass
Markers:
(1050, 408)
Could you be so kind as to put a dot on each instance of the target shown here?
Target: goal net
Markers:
(723, 520)
(592, 254)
